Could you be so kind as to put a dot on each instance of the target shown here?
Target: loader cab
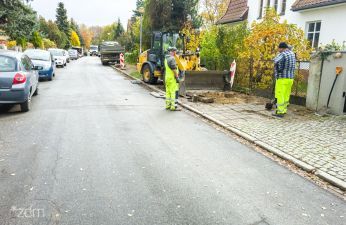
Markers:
(161, 41)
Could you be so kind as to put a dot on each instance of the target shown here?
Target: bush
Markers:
(221, 45)
(11, 44)
(262, 44)
(131, 57)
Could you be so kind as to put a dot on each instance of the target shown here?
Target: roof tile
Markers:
(237, 11)
(309, 4)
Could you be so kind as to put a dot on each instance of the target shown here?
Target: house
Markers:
(322, 20)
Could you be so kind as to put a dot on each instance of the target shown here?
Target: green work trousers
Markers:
(283, 89)
(172, 88)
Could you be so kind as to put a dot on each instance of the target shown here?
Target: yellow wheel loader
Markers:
(151, 63)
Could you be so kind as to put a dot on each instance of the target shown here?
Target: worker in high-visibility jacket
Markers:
(285, 63)
(171, 80)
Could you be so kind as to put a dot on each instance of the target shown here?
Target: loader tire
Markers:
(148, 75)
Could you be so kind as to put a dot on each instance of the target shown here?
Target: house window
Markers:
(276, 5)
(313, 34)
(261, 9)
(283, 7)
(264, 5)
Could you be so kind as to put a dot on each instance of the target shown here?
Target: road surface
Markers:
(99, 150)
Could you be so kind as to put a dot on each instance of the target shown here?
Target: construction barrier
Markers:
(122, 61)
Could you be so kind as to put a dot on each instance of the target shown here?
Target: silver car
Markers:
(59, 56)
(18, 79)
(73, 54)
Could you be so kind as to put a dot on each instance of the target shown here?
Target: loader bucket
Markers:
(206, 80)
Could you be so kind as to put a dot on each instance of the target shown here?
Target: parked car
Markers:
(73, 54)
(18, 79)
(67, 56)
(80, 51)
(45, 60)
(94, 50)
(59, 56)
(3, 47)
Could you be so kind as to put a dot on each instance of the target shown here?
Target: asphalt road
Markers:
(97, 149)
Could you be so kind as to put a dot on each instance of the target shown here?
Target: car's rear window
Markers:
(7, 64)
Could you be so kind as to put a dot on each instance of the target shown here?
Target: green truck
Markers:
(110, 52)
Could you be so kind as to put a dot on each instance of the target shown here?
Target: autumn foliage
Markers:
(265, 36)
(75, 39)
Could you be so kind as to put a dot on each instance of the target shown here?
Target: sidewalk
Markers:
(320, 142)
(316, 144)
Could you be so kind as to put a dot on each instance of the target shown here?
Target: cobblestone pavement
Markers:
(317, 141)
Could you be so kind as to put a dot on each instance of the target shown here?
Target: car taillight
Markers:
(19, 78)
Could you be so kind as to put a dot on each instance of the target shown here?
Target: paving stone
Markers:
(320, 142)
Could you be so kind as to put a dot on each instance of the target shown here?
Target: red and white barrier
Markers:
(232, 71)
(122, 61)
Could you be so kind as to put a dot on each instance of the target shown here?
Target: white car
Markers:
(59, 56)
(67, 56)
(73, 54)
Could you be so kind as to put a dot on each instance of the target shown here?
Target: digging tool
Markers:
(273, 101)
(338, 71)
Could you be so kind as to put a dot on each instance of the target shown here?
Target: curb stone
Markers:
(286, 156)
(304, 166)
(335, 181)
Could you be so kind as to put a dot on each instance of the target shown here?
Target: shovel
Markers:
(338, 71)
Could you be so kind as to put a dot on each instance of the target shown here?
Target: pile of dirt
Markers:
(230, 97)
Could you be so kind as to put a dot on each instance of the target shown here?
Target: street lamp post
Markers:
(141, 11)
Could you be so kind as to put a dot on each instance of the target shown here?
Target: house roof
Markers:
(310, 4)
(237, 11)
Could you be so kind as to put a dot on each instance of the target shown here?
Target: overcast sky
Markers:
(89, 12)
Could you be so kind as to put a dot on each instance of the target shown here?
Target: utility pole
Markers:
(141, 11)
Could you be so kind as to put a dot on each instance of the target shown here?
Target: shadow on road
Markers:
(9, 110)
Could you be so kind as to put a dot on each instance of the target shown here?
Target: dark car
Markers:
(45, 60)
(18, 79)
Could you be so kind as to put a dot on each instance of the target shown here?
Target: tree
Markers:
(139, 4)
(213, 10)
(87, 35)
(266, 35)
(17, 20)
(108, 33)
(37, 40)
(62, 20)
(56, 35)
(74, 26)
(119, 30)
(262, 43)
(48, 43)
(173, 14)
(96, 37)
(75, 39)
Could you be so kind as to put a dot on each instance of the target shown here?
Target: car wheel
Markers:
(36, 92)
(25, 107)
(51, 77)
